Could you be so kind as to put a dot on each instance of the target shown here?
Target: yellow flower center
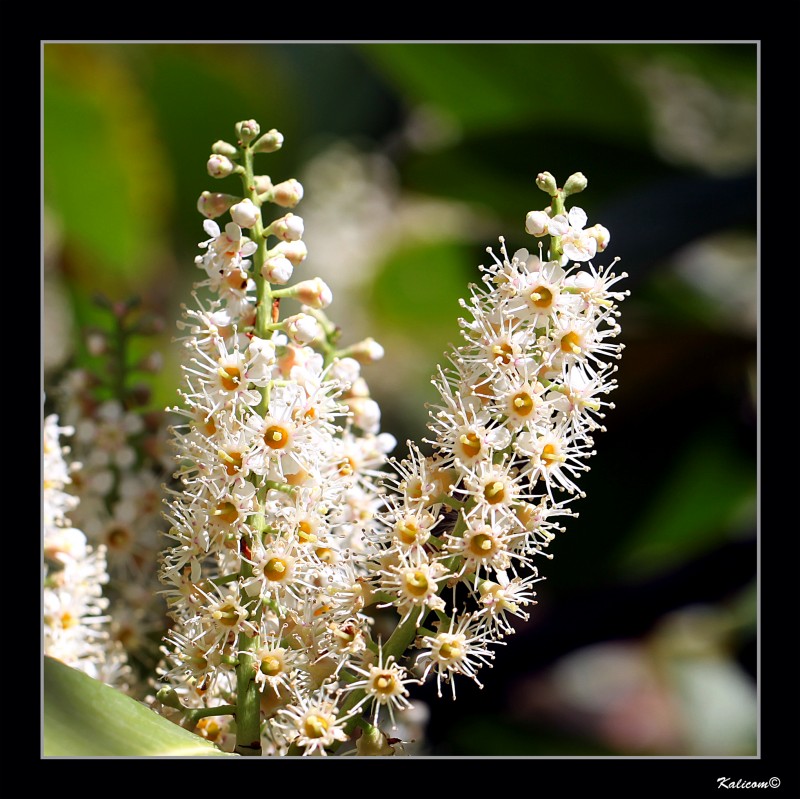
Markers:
(550, 455)
(416, 583)
(450, 650)
(232, 461)
(494, 492)
(315, 726)
(384, 683)
(481, 545)
(271, 666)
(542, 297)
(470, 444)
(522, 403)
(118, 538)
(570, 343)
(277, 569)
(227, 512)
(230, 377)
(503, 351)
(276, 437)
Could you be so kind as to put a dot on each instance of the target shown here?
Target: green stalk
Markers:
(248, 698)
(558, 207)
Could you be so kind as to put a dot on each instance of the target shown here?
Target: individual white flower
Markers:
(461, 649)
(577, 244)
(384, 685)
(311, 723)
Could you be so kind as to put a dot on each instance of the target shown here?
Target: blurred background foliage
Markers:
(414, 158)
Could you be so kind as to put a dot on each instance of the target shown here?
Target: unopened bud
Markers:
(366, 351)
(262, 183)
(575, 184)
(315, 293)
(302, 328)
(152, 363)
(366, 413)
(547, 183)
(294, 251)
(245, 213)
(220, 166)
(248, 130)
(277, 270)
(287, 228)
(286, 194)
(347, 370)
(358, 388)
(213, 204)
(536, 223)
(224, 148)
(269, 142)
(373, 743)
(97, 343)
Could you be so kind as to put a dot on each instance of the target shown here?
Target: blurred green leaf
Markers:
(103, 168)
(85, 718)
(711, 489)
(491, 86)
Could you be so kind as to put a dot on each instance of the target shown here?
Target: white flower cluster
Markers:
(75, 624)
(520, 402)
(277, 458)
(287, 538)
(118, 486)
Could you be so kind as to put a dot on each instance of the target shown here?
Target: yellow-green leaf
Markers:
(85, 718)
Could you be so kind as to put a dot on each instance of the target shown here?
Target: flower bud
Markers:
(366, 351)
(213, 204)
(247, 130)
(347, 370)
(373, 743)
(315, 293)
(600, 234)
(294, 251)
(536, 223)
(366, 413)
(262, 183)
(547, 183)
(269, 142)
(245, 213)
(302, 329)
(287, 228)
(277, 270)
(224, 148)
(97, 343)
(151, 363)
(575, 184)
(286, 194)
(220, 166)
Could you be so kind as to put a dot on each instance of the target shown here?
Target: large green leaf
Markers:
(85, 718)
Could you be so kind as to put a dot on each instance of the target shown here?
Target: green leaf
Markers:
(85, 718)
(104, 168)
(708, 498)
(492, 86)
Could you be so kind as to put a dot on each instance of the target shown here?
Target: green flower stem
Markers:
(193, 716)
(248, 698)
(558, 207)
